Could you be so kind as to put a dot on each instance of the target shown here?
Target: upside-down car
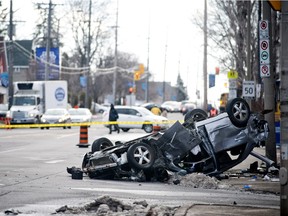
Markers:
(201, 144)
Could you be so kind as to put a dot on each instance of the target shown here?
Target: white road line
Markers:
(54, 161)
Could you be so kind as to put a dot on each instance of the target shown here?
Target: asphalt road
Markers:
(33, 177)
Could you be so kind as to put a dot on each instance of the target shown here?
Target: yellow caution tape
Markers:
(4, 126)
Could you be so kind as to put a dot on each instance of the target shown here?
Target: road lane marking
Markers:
(54, 161)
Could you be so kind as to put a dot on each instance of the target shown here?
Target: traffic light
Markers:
(137, 75)
(131, 90)
(217, 70)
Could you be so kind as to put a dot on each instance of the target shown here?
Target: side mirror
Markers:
(38, 101)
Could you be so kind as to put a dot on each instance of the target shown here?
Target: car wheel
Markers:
(141, 156)
(125, 129)
(41, 128)
(148, 128)
(238, 111)
(100, 144)
(195, 115)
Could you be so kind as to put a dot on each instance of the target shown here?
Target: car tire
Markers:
(100, 144)
(238, 111)
(125, 129)
(148, 128)
(195, 115)
(141, 156)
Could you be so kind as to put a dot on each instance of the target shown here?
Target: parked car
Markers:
(80, 115)
(3, 110)
(99, 108)
(131, 116)
(201, 144)
(56, 116)
(186, 107)
(171, 106)
(149, 106)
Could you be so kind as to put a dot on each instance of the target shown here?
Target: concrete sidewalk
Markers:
(241, 179)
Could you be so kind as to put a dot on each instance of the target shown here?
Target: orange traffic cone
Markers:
(83, 137)
(156, 128)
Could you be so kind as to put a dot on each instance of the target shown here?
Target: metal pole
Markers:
(269, 94)
(116, 56)
(88, 57)
(10, 75)
(205, 57)
(148, 53)
(284, 109)
(47, 65)
(164, 72)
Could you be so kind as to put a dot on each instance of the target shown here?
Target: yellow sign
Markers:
(141, 68)
(232, 74)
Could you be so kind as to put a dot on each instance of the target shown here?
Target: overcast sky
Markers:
(166, 22)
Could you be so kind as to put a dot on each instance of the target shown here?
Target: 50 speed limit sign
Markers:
(248, 89)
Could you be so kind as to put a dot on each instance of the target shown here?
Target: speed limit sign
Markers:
(248, 89)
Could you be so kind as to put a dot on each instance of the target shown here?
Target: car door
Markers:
(129, 117)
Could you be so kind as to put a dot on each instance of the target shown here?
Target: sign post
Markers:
(264, 49)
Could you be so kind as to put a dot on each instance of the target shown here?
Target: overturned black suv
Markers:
(200, 144)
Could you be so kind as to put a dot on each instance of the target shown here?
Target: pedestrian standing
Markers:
(113, 116)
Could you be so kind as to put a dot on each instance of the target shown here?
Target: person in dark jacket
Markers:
(113, 116)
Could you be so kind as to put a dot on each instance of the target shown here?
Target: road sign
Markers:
(264, 70)
(232, 74)
(232, 84)
(263, 29)
(264, 52)
(248, 89)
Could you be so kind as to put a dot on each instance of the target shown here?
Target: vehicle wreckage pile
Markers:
(200, 145)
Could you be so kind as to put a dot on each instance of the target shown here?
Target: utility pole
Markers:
(148, 53)
(88, 57)
(116, 56)
(10, 76)
(284, 109)
(164, 74)
(205, 57)
(269, 94)
(48, 41)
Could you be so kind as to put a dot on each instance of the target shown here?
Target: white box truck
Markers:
(32, 98)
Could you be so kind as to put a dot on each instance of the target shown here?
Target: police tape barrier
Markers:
(3, 126)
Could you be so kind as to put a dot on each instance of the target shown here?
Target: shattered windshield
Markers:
(24, 101)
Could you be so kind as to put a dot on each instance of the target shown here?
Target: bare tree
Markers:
(99, 31)
(3, 16)
(126, 63)
(227, 33)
